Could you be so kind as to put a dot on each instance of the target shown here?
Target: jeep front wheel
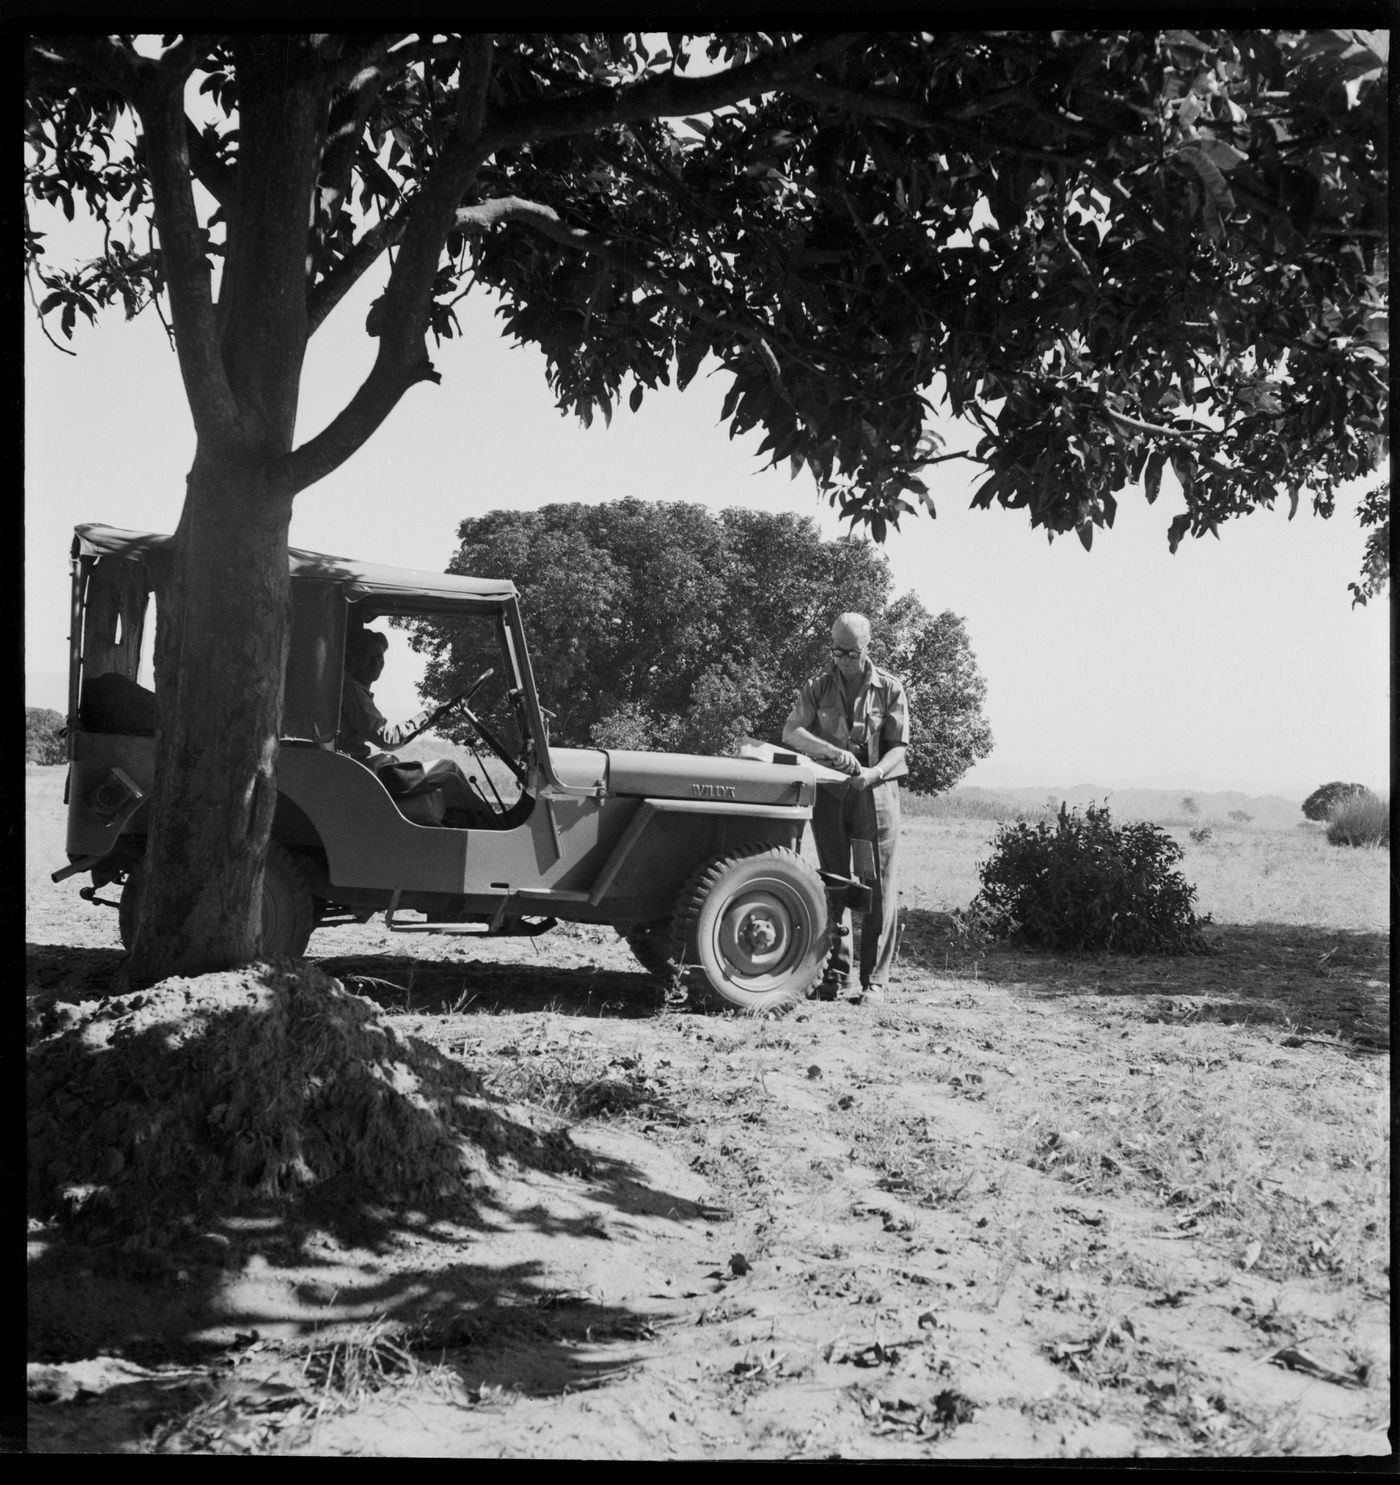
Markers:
(752, 929)
(288, 911)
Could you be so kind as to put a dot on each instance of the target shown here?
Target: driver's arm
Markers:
(394, 734)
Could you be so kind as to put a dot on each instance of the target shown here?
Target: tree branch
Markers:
(906, 111)
(375, 399)
(401, 316)
(206, 166)
(84, 60)
(176, 64)
(667, 96)
(160, 107)
(353, 265)
(345, 128)
(545, 220)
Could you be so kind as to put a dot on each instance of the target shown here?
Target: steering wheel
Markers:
(465, 696)
(459, 703)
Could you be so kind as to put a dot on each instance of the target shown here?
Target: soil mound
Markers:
(268, 1084)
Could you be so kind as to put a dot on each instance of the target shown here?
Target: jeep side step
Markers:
(499, 927)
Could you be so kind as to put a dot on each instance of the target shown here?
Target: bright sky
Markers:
(1235, 664)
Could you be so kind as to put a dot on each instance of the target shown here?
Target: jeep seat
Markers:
(423, 801)
(428, 807)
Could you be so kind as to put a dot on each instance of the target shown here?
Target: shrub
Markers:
(1322, 801)
(1202, 834)
(43, 735)
(1360, 820)
(1241, 817)
(1080, 882)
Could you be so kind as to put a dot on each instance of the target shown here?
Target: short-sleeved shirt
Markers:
(877, 721)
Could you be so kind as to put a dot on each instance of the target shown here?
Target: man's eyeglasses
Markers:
(841, 654)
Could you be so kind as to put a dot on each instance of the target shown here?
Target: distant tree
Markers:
(1115, 251)
(42, 740)
(1189, 806)
(660, 625)
(1324, 799)
(933, 657)
(1241, 817)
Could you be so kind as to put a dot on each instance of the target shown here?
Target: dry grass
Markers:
(1233, 1145)
(1242, 874)
(1361, 820)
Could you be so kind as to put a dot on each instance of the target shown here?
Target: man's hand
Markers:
(844, 762)
(867, 778)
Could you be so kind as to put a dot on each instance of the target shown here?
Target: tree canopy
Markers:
(1326, 797)
(659, 625)
(43, 735)
(1115, 252)
(1110, 253)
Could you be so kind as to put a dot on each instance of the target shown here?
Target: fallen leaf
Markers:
(1251, 1254)
(1296, 1360)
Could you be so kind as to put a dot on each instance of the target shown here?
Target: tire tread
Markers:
(689, 976)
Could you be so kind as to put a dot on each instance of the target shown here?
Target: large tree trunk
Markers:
(223, 619)
(221, 650)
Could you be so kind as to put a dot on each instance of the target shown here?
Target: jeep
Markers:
(694, 860)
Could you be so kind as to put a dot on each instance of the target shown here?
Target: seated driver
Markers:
(363, 727)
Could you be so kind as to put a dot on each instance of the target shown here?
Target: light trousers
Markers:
(843, 814)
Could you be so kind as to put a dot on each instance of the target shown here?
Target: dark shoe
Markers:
(831, 990)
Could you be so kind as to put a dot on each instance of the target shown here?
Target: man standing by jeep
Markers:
(854, 717)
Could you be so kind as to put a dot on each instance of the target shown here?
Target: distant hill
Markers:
(1164, 805)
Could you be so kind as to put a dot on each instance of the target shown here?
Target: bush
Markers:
(1321, 802)
(1241, 817)
(1202, 834)
(1080, 882)
(43, 735)
(1360, 820)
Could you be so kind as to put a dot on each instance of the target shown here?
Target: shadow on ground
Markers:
(1323, 982)
(210, 1164)
(397, 983)
(480, 987)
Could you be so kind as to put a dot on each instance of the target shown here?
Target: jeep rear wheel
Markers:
(752, 929)
(288, 911)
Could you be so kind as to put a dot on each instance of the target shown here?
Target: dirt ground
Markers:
(856, 1233)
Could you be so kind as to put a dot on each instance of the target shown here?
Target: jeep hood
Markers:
(687, 776)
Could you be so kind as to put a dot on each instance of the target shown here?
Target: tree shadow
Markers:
(289, 1163)
(1325, 982)
(480, 987)
(395, 982)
